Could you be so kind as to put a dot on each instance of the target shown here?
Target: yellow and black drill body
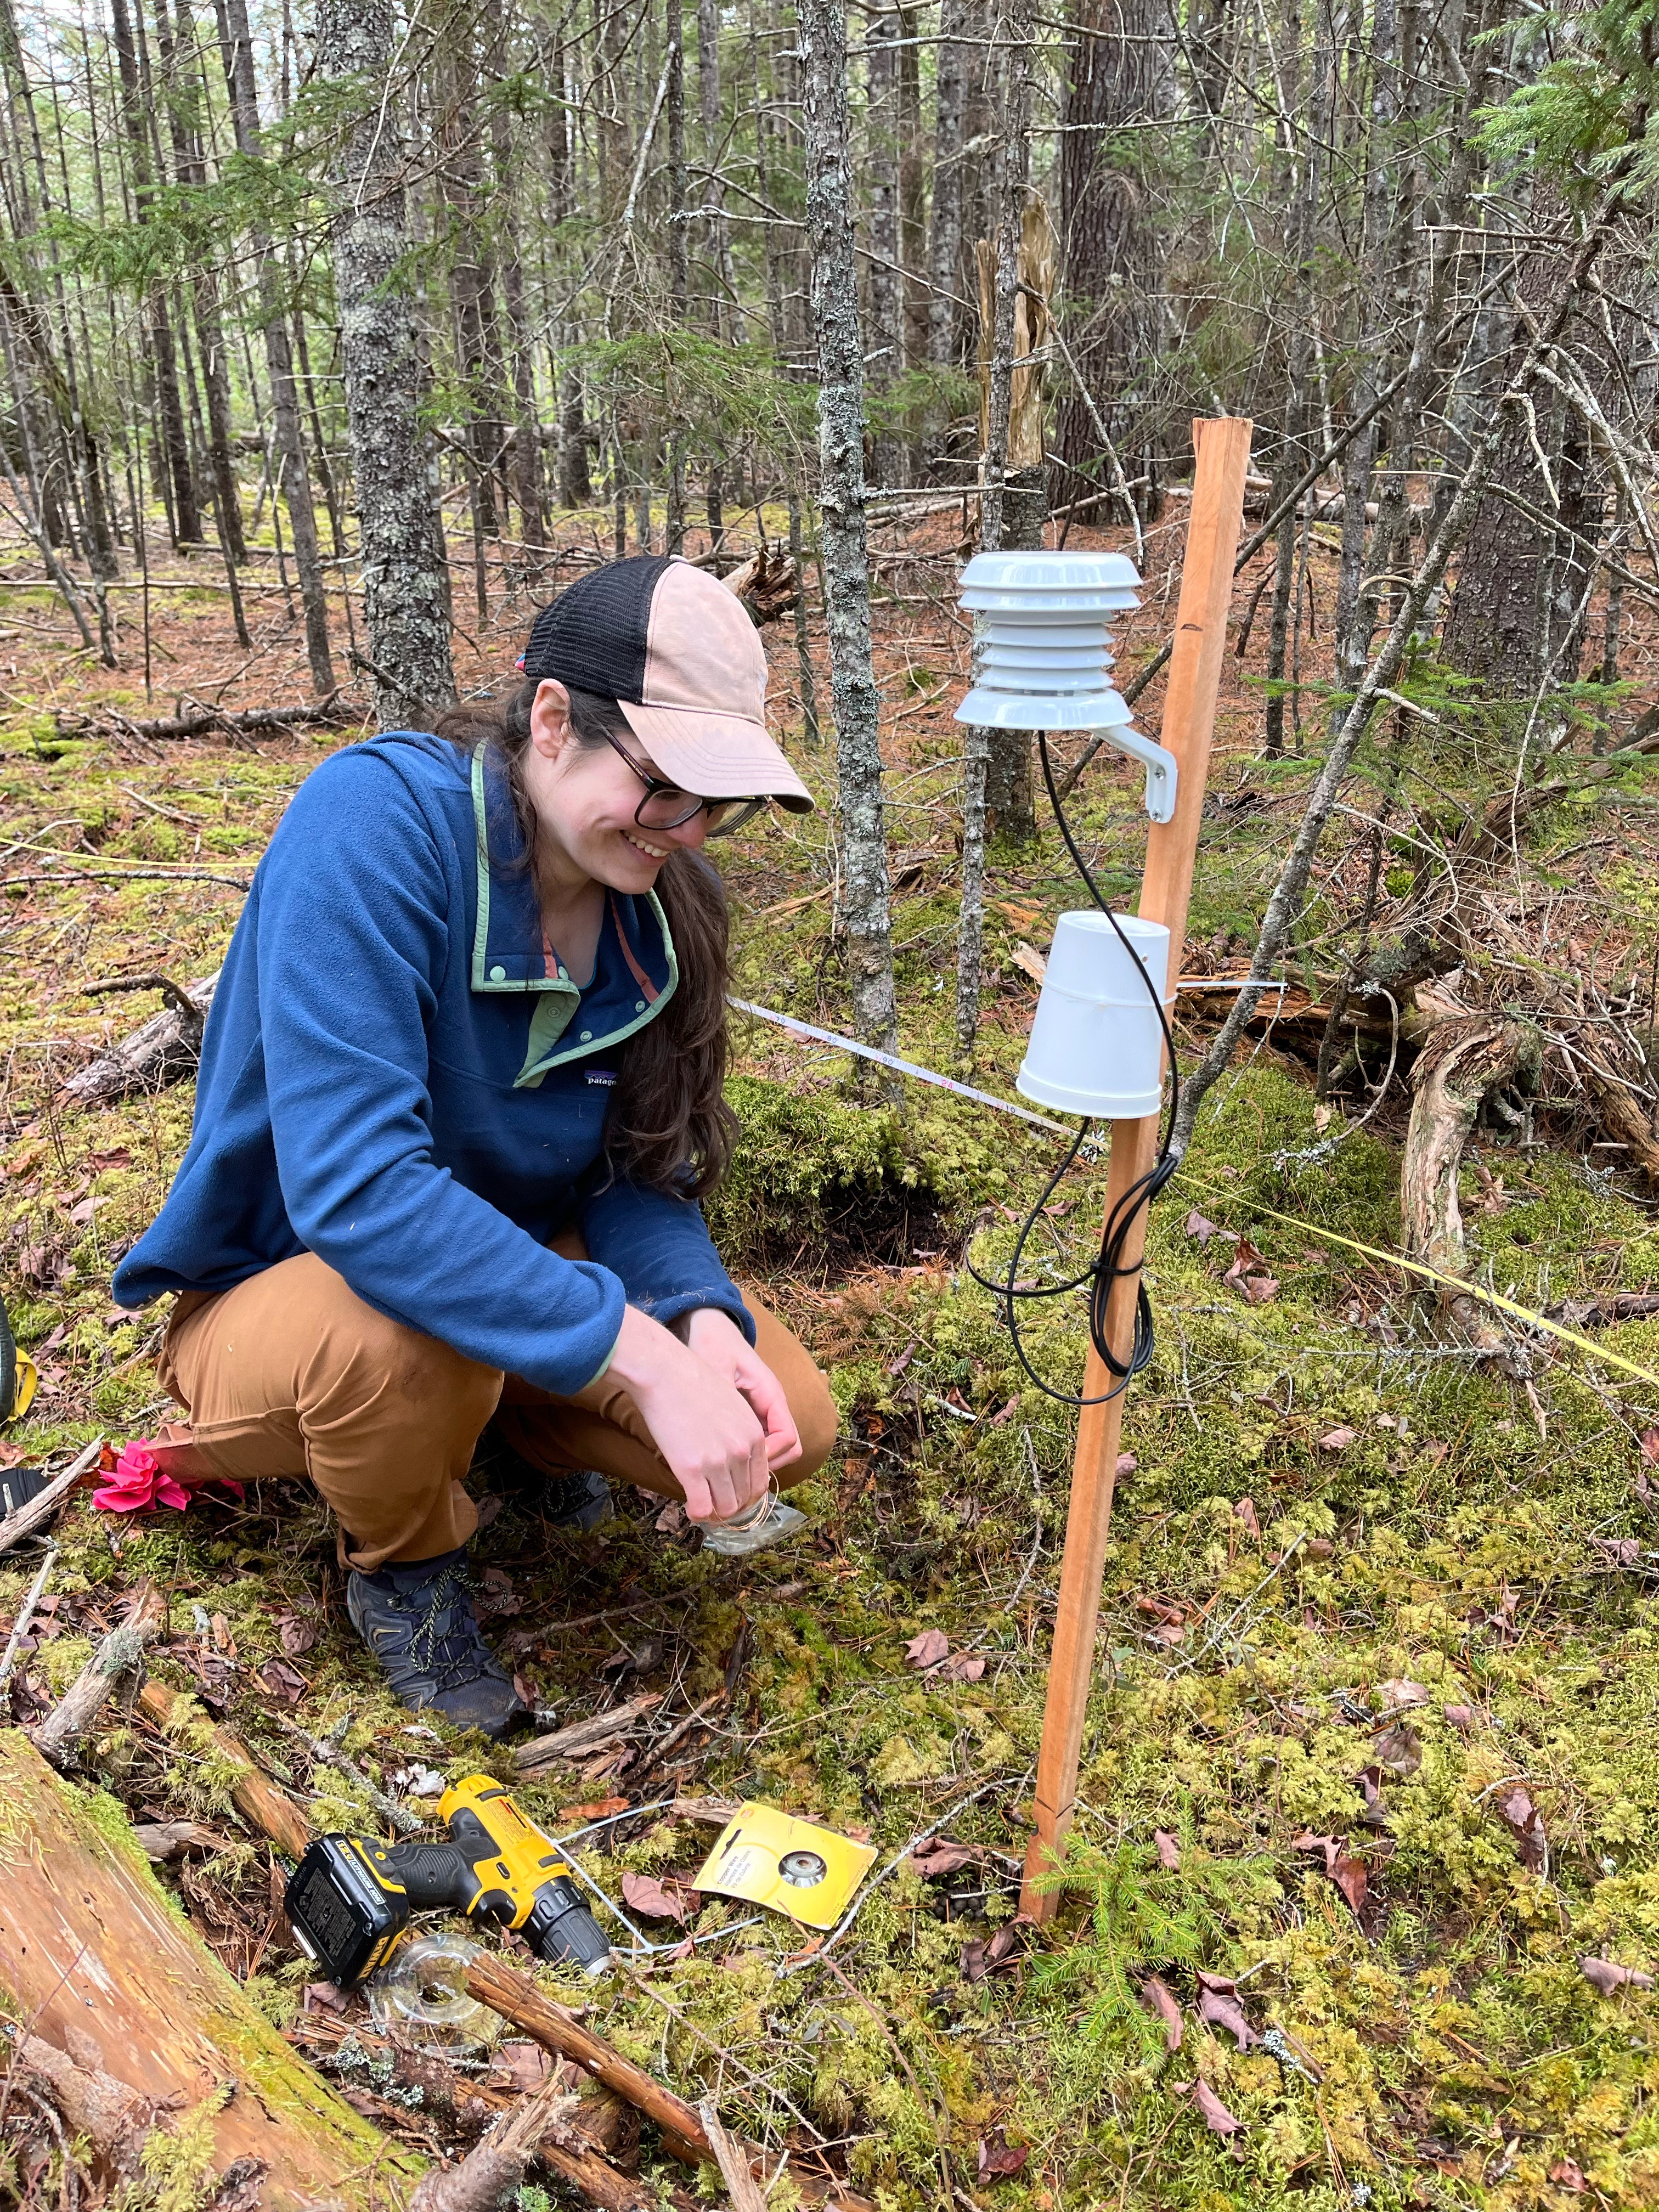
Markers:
(349, 1899)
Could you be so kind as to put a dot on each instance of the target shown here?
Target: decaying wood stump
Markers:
(97, 1962)
(166, 1049)
(767, 585)
(1467, 1058)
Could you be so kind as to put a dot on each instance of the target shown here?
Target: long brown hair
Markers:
(669, 1125)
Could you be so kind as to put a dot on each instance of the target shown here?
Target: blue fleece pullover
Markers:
(396, 1078)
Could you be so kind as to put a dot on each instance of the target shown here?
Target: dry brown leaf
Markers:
(1565, 2175)
(1516, 1809)
(1246, 1261)
(1336, 1440)
(1345, 1871)
(1214, 2113)
(644, 1894)
(1169, 1850)
(993, 1954)
(297, 1637)
(928, 1649)
(1260, 1290)
(527, 2065)
(998, 2158)
(1399, 1694)
(1221, 2009)
(939, 1856)
(1159, 1998)
(1400, 1748)
(1608, 1977)
(1244, 1512)
(1649, 1446)
(1460, 1717)
(1197, 1227)
(962, 1667)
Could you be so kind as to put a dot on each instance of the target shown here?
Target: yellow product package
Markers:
(793, 1867)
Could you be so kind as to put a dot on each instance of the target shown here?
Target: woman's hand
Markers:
(699, 1420)
(720, 1344)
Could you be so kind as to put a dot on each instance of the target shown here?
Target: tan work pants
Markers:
(291, 1374)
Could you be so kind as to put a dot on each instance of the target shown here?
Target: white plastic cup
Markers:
(1097, 1048)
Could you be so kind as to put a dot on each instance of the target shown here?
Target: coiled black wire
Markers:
(1108, 1268)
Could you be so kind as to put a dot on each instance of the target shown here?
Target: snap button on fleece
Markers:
(639, 1006)
(498, 975)
(586, 1035)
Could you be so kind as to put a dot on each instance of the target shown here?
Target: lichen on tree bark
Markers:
(406, 586)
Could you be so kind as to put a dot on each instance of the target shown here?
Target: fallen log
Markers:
(517, 1998)
(166, 1049)
(583, 1736)
(41, 1510)
(204, 722)
(97, 1959)
(116, 1668)
(257, 1798)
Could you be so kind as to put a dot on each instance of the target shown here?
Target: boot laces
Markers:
(445, 1642)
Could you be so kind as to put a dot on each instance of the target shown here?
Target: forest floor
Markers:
(1371, 1766)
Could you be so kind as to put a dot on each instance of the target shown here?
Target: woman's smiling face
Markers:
(586, 798)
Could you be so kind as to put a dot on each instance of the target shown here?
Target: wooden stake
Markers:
(1222, 448)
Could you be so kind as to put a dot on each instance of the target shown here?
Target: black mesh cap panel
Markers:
(593, 635)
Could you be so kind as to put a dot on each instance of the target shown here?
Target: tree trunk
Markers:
(1120, 79)
(1353, 632)
(886, 314)
(727, 318)
(236, 48)
(944, 239)
(526, 431)
(1014, 506)
(863, 891)
(405, 587)
(183, 513)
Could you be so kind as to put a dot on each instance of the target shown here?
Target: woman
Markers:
(459, 1091)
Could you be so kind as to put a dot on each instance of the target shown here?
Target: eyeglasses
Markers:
(665, 806)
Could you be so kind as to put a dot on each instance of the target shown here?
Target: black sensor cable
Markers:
(1109, 1267)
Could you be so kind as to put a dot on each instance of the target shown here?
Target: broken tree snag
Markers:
(546, 2126)
(1625, 1118)
(257, 1799)
(765, 584)
(96, 1958)
(1468, 1058)
(166, 1049)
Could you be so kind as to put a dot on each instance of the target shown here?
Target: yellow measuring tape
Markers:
(1457, 1282)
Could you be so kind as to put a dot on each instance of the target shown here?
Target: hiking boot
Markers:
(417, 1620)
(577, 1502)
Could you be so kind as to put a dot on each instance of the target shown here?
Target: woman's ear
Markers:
(550, 719)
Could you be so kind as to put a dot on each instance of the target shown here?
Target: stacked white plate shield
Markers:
(1042, 653)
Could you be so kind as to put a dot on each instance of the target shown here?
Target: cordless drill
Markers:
(349, 1899)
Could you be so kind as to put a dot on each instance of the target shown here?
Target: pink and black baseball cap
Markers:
(680, 656)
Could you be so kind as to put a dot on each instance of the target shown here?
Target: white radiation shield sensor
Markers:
(1097, 1048)
(1042, 657)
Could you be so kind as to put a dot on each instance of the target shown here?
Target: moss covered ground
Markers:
(1374, 1734)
